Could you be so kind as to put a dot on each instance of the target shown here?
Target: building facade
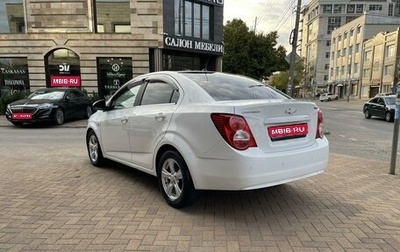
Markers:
(98, 45)
(347, 53)
(319, 19)
(380, 68)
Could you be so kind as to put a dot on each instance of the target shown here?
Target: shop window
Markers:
(112, 16)
(112, 74)
(63, 68)
(193, 19)
(12, 16)
(14, 75)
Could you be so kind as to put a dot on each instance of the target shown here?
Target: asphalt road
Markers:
(349, 133)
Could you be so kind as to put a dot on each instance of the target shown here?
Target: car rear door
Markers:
(151, 117)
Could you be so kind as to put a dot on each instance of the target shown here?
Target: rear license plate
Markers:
(22, 116)
(282, 132)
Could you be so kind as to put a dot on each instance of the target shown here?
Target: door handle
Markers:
(160, 116)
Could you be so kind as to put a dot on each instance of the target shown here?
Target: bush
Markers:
(9, 98)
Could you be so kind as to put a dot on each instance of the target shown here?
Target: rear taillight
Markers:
(235, 130)
(320, 125)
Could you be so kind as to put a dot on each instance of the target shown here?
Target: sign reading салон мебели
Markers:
(193, 45)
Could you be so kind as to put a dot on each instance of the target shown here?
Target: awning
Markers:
(339, 85)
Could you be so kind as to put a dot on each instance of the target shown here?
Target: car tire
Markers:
(94, 149)
(59, 116)
(367, 114)
(89, 112)
(388, 116)
(174, 180)
(329, 99)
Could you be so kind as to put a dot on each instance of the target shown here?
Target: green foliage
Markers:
(9, 98)
(251, 54)
(281, 80)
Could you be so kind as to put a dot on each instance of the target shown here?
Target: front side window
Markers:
(12, 16)
(112, 16)
(126, 97)
(192, 19)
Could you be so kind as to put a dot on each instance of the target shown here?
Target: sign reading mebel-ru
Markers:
(193, 45)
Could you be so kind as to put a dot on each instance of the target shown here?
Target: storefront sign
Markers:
(65, 81)
(113, 73)
(193, 45)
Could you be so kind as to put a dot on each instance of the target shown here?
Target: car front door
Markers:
(115, 127)
(151, 119)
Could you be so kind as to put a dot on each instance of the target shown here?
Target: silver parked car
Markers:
(207, 131)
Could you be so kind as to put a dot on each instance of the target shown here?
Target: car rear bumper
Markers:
(245, 173)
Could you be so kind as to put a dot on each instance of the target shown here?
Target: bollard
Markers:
(392, 170)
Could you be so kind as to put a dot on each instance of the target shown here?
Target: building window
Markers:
(340, 38)
(112, 73)
(112, 16)
(327, 8)
(389, 69)
(351, 33)
(390, 51)
(338, 8)
(359, 8)
(355, 68)
(342, 70)
(357, 47)
(122, 28)
(12, 16)
(326, 77)
(366, 73)
(390, 11)
(193, 19)
(14, 75)
(344, 52)
(333, 22)
(375, 7)
(345, 35)
(351, 8)
(367, 56)
(328, 43)
(327, 55)
(326, 66)
(350, 50)
(358, 29)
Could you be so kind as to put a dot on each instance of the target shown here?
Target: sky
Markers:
(265, 16)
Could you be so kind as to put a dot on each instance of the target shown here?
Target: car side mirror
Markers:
(99, 105)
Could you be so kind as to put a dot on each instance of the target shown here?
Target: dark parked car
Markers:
(50, 105)
(381, 106)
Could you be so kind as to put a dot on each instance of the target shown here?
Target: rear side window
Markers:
(224, 87)
(158, 92)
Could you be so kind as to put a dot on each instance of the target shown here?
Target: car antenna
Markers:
(206, 66)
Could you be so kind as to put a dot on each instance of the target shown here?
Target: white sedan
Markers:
(207, 131)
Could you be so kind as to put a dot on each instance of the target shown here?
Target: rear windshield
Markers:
(224, 87)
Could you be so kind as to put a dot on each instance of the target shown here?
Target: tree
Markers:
(281, 79)
(251, 54)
